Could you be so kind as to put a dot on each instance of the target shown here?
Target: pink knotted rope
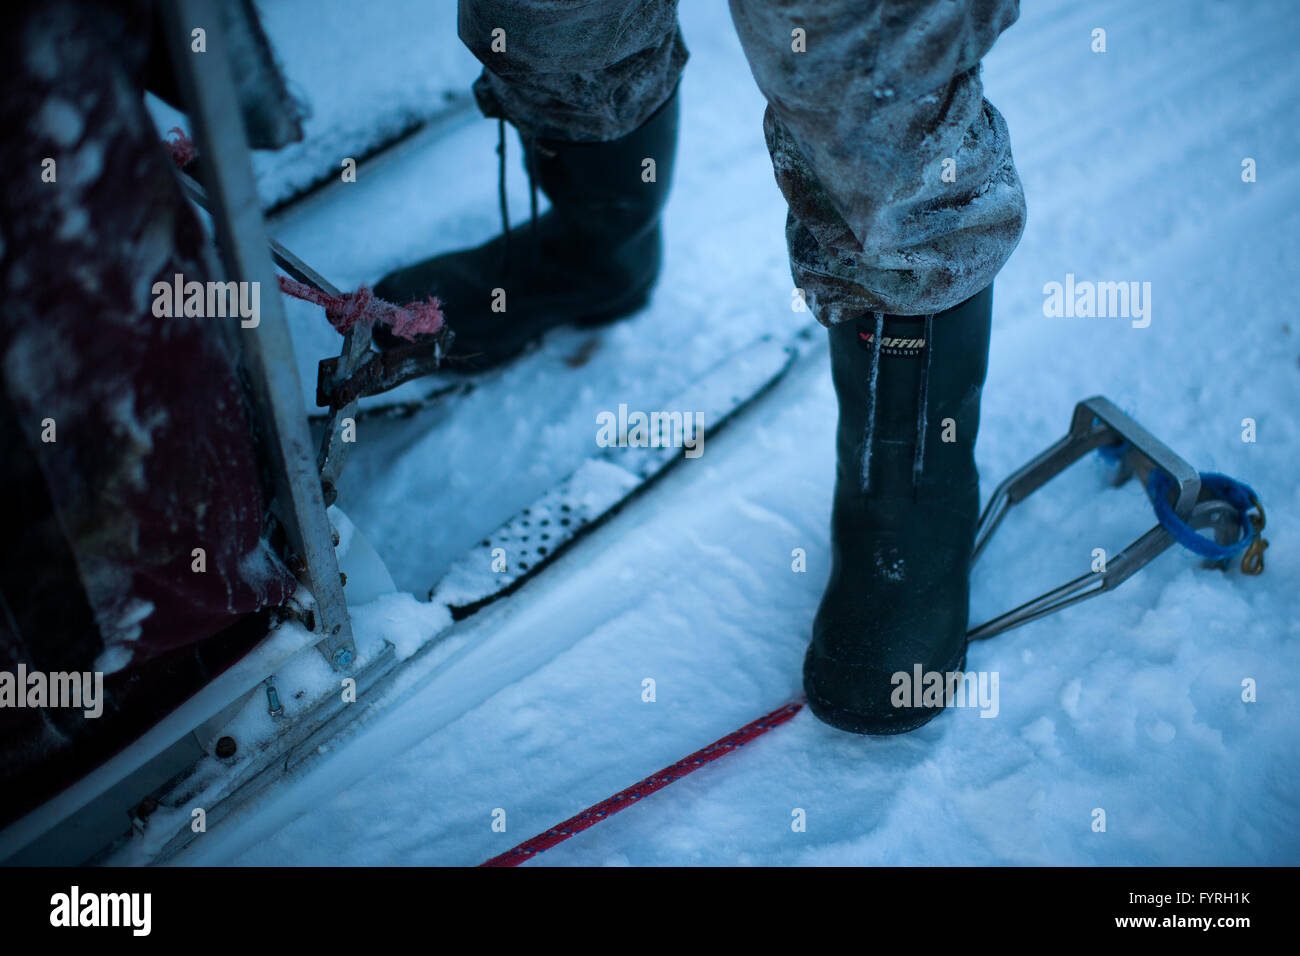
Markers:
(181, 147)
(347, 310)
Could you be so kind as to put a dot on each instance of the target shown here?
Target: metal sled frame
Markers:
(1098, 423)
(302, 480)
(305, 483)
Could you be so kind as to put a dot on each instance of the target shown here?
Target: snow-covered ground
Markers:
(1131, 703)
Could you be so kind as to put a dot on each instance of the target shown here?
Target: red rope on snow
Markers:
(625, 798)
(346, 310)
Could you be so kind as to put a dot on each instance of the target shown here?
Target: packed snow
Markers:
(1131, 703)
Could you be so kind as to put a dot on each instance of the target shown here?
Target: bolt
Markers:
(226, 748)
(343, 579)
(342, 658)
(273, 705)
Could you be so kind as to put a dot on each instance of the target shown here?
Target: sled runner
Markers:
(165, 785)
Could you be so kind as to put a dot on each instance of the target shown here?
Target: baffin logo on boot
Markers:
(893, 345)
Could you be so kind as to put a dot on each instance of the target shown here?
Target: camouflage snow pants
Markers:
(903, 197)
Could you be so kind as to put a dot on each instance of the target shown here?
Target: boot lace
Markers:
(922, 398)
(530, 155)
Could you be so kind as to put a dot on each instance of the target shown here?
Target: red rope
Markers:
(181, 147)
(625, 798)
(346, 310)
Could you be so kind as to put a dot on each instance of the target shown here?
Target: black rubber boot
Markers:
(899, 589)
(591, 258)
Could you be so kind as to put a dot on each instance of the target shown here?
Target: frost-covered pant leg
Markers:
(576, 71)
(903, 195)
(898, 173)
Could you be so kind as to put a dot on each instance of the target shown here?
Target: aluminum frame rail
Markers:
(208, 90)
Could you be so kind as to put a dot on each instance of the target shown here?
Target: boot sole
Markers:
(856, 723)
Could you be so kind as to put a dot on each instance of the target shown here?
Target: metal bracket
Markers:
(1097, 423)
(343, 381)
(208, 90)
(356, 347)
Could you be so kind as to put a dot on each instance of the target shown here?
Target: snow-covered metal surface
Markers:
(521, 546)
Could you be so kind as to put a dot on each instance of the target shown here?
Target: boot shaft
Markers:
(909, 397)
(612, 190)
(898, 594)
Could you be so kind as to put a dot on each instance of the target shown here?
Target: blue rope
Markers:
(1236, 493)
(1239, 494)
(1112, 454)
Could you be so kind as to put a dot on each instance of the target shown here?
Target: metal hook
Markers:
(1252, 559)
